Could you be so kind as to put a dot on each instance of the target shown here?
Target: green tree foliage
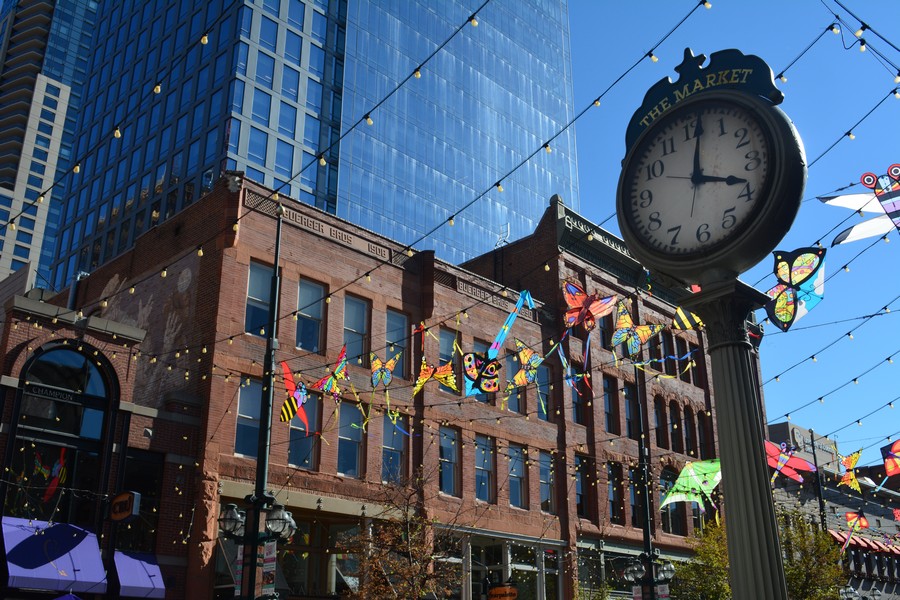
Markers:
(811, 563)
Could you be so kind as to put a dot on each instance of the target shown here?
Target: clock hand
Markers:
(730, 180)
(697, 174)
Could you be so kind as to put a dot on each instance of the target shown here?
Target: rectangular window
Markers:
(356, 329)
(393, 449)
(313, 96)
(311, 132)
(262, 105)
(350, 438)
(614, 493)
(310, 315)
(518, 486)
(545, 398)
(449, 461)
(265, 69)
(548, 501)
(632, 412)
(256, 149)
(581, 399)
(284, 158)
(268, 33)
(290, 84)
(582, 472)
(484, 468)
(303, 449)
(259, 293)
(514, 396)
(636, 498)
(481, 348)
(659, 422)
(241, 51)
(292, 45)
(447, 341)
(316, 60)
(296, 13)
(319, 27)
(396, 341)
(287, 120)
(246, 439)
(611, 405)
(674, 434)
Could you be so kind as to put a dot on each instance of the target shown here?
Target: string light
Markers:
(473, 21)
(897, 77)
(706, 4)
(117, 133)
(368, 119)
(40, 199)
(77, 168)
(834, 28)
(164, 272)
(451, 222)
(653, 57)
(547, 148)
(498, 186)
(204, 39)
(597, 102)
(782, 77)
(417, 73)
(862, 29)
(850, 135)
(157, 88)
(322, 160)
(199, 250)
(862, 45)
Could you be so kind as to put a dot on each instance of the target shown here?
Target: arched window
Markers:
(674, 427)
(64, 406)
(672, 515)
(690, 434)
(659, 422)
(704, 438)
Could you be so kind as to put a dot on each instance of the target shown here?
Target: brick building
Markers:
(540, 484)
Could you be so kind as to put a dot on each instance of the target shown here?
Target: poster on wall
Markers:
(268, 571)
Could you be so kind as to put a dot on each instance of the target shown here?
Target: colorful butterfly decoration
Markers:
(571, 377)
(296, 398)
(481, 374)
(801, 285)
(630, 334)
(887, 194)
(529, 361)
(695, 483)
(443, 374)
(855, 522)
(329, 383)
(896, 513)
(782, 459)
(849, 477)
(382, 372)
(891, 456)
(583, 308)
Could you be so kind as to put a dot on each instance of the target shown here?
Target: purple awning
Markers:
(57, 556)
(139, 575)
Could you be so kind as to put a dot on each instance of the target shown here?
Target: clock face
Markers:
(697, 178)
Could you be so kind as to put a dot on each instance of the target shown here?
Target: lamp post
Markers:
(278, 522)
(655, 572)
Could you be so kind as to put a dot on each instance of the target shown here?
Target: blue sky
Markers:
(828, 90)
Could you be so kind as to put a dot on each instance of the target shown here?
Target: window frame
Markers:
(545, 476)
(402, 452)
(518, 472)
(485, 468)
(362, 337)
(295, 425)
(303, 316)
(350, 414)
(451, 461)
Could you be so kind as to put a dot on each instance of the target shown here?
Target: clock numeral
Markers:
(690, 130)
(746, 192)
(722, 126)
(674, 231)
(654, 169)
(703, 233)
(753, 160)
(668, 146)
(655, 222)
(646, 198)
(743, 137)
(728, 219)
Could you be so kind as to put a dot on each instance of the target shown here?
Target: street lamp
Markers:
(661, 570)
(848, 593)
(874, 594)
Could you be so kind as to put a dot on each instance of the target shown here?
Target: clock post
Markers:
(712, 180)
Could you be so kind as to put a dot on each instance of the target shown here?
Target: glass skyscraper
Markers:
(44, 47)
(274, 88)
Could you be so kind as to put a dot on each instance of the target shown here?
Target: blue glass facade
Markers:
(277, 84)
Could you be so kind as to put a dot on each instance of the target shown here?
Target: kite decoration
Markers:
(887, 192)
(571, 377)
(849, 478)
(443, 374)
(685, 319)
(782, 459)
(630, 334)
(529, 361)
(891, 456)
(293, 404)
(855, 522)
(329, 383)
(583, 308)
(695, 483)
(382, 372)
(896, 514)
(801, 285)
(481, 371)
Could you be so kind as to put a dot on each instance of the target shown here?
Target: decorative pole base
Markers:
(754, 550)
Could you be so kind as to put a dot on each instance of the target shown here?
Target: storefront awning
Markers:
(52, 556)
(139, 575)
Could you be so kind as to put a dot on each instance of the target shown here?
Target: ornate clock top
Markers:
(727, 69)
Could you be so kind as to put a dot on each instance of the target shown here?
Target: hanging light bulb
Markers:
(77, 168)
(546, 267)
(597, 102)
(409, 252)
(164, 273)
(846, 268)
(12, 224)
(199, 250)
(235, 227)
(851, 135)
(40, 200)
(157, 88)
(204, 39)
(861, 30)
(834, 28)
(897, 93)
(327, 299)
(782, 77)
(131, 290)
(368, 277)
(322, 160)
(850, 335)
(117, 133)
(473, 21)
(451, 222)
(417, 73)
(653, 57)
(814, 359)
(368, 119)
(897, 77)
(547, 148)
(862, 45)
(498, 186)
(104, 303)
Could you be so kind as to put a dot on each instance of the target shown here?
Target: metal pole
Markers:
(260, 498)
(819, 494)
(644, 464)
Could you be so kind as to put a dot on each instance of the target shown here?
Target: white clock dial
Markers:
(698, 180)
